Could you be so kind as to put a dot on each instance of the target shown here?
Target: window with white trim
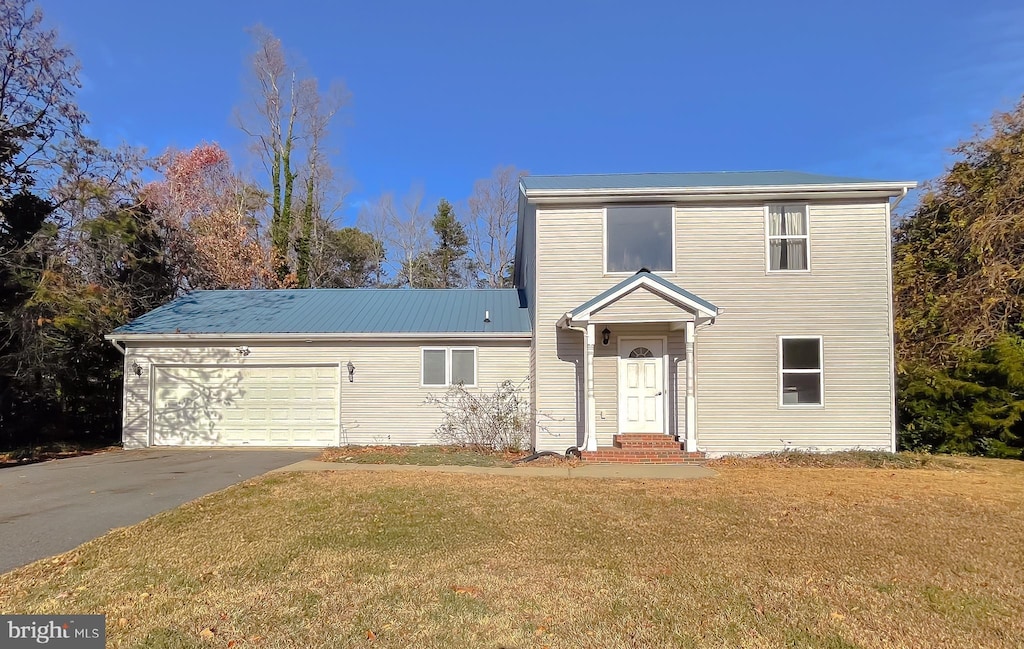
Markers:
(639, 237)
(801, 380)
(788, 238)
(444, 366)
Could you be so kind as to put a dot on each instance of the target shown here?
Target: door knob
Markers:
(658, 393)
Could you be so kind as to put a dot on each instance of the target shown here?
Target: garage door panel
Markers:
(256, 406)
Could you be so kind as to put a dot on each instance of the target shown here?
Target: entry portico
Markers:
(645, 314)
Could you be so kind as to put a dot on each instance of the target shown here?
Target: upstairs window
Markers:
(788, 241)
(639, 237)
(801, 370)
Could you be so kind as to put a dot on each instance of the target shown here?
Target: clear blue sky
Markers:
(444, 91)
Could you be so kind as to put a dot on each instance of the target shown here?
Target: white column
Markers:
(591, 425)
(691, 396)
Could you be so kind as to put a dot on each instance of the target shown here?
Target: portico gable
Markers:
(644, 401)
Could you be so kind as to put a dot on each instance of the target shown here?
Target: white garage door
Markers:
(251, 406)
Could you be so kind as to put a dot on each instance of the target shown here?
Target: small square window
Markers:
(434, 372)
(801, 380)
(463, 367)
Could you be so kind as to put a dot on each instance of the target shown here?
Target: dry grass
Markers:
(50, 451)
(850, 459)
(419, 455)
(753, 558)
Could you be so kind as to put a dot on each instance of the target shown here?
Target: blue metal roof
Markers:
(326, 311)
(669, 286)
(686, 180)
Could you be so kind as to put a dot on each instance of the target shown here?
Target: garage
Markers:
(250, 405)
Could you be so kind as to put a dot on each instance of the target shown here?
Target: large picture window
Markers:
(788, 240)
(801, 371)
(444, 366)
(639, 237)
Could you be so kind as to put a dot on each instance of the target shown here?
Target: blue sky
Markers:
(445, 91)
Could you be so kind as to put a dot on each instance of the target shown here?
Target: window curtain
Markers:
(796, 249)
(775, 228)
(789, 253)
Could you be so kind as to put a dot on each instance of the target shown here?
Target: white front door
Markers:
(641, 386)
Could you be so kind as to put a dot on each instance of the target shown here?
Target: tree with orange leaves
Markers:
(217, 211)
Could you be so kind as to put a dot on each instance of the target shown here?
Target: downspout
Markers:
(576, 450)
(899, 199)
(116, 346)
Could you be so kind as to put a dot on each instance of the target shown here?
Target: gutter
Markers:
(736, 190)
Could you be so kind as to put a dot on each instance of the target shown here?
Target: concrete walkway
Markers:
(617, 471)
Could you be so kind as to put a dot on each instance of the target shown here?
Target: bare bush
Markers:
(485, 421)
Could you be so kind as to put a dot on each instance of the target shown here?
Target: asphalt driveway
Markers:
(52, 507)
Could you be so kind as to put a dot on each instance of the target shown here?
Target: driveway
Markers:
(52, 507)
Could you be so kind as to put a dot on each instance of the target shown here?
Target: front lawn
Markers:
(799, 557)
(420, 455)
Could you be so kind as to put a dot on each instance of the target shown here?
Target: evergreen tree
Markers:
(958, 283)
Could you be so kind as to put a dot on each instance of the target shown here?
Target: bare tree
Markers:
(315, 212)
(373, 219)
(38, 79)
(404, 226)
(492, 227)
(288, 121)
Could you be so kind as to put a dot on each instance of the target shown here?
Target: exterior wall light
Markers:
(136, 368)
(243, 350)
(351, 372)
(606, 335)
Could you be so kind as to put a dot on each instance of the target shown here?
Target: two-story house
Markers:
(653, 314)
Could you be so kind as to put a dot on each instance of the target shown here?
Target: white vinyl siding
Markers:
(385, 404)
(721, 254)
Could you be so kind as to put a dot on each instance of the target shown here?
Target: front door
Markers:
(641, 386)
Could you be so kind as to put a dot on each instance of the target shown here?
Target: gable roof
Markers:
(336, 311)
(694, 180)
(656, 284)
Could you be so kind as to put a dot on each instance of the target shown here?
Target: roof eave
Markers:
(838, 190)
(319, 337)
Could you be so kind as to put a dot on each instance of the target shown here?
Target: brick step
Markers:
(646, 437)
(668, 444)
(646, 441)
(612, 455)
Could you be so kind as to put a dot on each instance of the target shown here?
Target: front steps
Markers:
(643, 448)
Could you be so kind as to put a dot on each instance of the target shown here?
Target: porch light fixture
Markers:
(136, 369)
(606, 336)
(242, 351)
(351, 372)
